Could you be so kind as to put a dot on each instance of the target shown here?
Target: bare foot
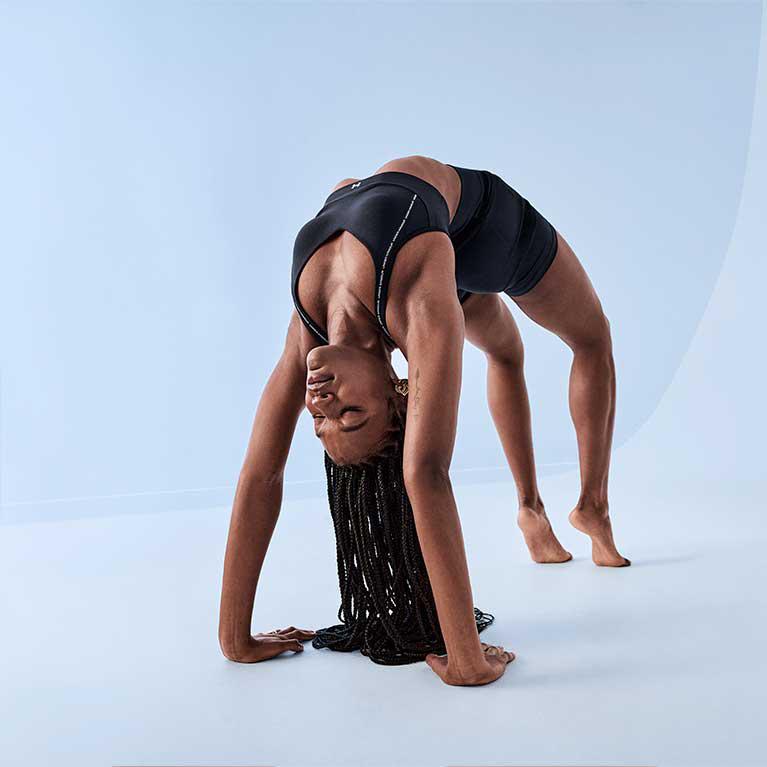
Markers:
(539, 537)
(595, 522)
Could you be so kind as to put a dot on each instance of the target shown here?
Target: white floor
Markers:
(109, 651)
(109, 655)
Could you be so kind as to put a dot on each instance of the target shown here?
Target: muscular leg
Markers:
(490, 326)
(565, 302)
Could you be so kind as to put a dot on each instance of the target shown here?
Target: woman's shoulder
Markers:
(416, 164)
(344, 182)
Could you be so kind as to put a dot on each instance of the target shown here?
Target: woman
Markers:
(414, 257)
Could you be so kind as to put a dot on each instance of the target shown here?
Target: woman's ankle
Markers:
(531, 502)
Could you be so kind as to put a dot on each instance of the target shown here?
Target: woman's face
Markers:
(347, 393)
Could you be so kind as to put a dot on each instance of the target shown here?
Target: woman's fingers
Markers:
(496, 666)
(498, 651)
(266, 646)
(290, 632)
(273, 649)
(300, 634)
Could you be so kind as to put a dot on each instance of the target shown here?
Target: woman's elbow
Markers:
(426, 477)
(252, 477)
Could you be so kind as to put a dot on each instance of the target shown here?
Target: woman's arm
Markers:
(435, 333)
(257, 506)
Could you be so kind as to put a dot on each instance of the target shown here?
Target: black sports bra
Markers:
(384, 211)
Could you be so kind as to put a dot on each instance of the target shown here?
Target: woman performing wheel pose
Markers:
(414, 257)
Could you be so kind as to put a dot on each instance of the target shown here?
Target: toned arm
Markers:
(257, 505)
(435, 332)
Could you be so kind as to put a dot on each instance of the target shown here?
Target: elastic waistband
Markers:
(430, 195)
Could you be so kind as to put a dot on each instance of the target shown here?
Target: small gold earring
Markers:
(401, 387)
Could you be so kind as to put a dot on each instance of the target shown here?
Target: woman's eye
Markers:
(318, 417)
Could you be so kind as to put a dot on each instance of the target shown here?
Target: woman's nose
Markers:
(323, 401)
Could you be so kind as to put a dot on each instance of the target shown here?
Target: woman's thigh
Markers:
(565, 302)
(490, 326)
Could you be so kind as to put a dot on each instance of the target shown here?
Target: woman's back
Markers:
(499, 242)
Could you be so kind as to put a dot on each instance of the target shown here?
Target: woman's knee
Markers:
(594, 338)
(509, 352)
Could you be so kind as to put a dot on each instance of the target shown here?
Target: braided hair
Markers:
(387, 607)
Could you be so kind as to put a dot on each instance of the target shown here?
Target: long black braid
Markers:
(387, 607)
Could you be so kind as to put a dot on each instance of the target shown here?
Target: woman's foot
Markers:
(540, 539)
(594, 521)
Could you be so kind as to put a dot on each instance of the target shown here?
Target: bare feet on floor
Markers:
(595, 522)
(539, 537)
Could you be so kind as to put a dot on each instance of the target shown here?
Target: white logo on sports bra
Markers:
(354, 186)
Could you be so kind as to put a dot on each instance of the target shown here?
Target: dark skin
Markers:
(345, 385)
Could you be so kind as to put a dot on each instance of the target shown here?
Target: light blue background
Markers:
(157, 161)
(146, 151)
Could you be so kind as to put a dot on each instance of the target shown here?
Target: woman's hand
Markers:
(492, 667)
(269, 645)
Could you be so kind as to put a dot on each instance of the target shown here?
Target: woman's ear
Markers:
(398, 404)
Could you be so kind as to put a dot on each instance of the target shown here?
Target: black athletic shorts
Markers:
(502, 243)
